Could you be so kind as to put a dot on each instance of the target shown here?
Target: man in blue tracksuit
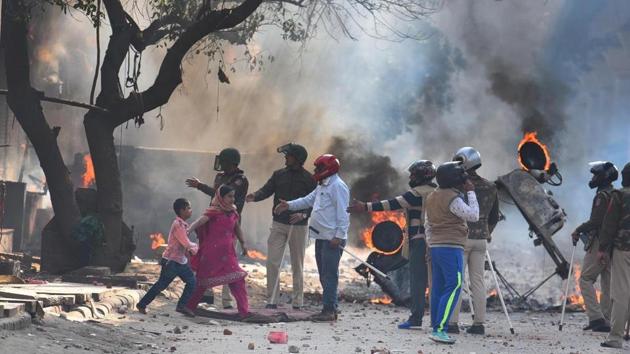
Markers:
(445, 226)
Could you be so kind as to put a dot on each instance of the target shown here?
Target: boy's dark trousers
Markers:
(327, 259)
(417, 279)
(170, 270)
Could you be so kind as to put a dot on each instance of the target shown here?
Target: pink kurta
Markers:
(216, 262)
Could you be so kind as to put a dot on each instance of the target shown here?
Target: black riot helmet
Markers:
(225, 158)
(421, 172)
(625, 175)
(451, 175)
(296, 150)
(604, 173)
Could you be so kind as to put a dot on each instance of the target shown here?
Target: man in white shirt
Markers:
(328, 226)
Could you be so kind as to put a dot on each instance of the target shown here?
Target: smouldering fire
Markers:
(531, 138)
(253, 254)
(378, 217)
(157, 240)
(383, 300)
(88, 177)
(493, 293)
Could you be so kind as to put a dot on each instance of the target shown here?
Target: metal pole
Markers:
(566, 289)
(274, 293)
(365, 263)
(496, 282)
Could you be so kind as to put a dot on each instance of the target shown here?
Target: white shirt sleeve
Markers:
(342, 200)
(305, 202)
(468, 212)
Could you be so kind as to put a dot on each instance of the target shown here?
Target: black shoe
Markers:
(141, 309)
(453, 329)
(611, 345)
(208, 299)
(271, 306)
(296, 308)
(186, 311)
(228, 307)
(324, 316)
(476, 329)
(597, 324)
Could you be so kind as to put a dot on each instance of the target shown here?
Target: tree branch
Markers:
(170, 74)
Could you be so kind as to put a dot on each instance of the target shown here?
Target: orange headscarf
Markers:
(219, 205)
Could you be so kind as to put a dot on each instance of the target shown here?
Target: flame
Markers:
(253, 254)
(378, 217)
(383, 300)
(531, 138)
(157, 240)
(493, 293)
(88, 176)
(576, 297)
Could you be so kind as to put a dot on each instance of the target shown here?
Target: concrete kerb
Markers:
(18, 322)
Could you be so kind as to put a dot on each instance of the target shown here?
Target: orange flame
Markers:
(576, 297)
(383, 300)
(493, 293)
(157, 240)
(378, 217)
(88, 176)
(531, 138)
(253, 254)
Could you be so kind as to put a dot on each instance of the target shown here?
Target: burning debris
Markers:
(378, 217)
(157, 240)
(88, 177)
(256, 255)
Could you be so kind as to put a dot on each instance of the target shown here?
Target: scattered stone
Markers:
(177, 330)
(123, 309)
(227, 332)
(293, 349)
(173, 349)
(358, 350)
(184, 327)
(251, 346)
(337, 339)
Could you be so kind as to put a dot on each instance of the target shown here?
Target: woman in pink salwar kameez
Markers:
(216, 263)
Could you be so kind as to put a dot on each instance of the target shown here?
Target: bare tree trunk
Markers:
(25, 103)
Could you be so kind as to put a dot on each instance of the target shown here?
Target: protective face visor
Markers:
(284, 149)
(217, 163)
(599, 169)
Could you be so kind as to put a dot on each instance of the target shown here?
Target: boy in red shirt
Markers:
(175, 259)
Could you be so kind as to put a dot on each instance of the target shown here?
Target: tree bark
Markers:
(25, 103)
(99, 126)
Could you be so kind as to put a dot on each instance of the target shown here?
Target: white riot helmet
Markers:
(469, 157)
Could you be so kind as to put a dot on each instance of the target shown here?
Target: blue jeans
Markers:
(170, 270)
(417, 279)
(327, 259)
(446, 266)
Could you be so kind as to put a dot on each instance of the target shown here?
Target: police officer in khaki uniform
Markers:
(615, 242)
(226, 163)
(478, 236)
(604, 174)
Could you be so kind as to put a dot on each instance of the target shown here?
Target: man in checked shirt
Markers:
(421, 174)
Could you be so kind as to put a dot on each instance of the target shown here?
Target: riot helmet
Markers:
(469, 157)
(451, 175)
(421, 172)
(604, 173)
(225, 158)
(296, 150)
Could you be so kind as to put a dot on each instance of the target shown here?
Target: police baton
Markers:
(496, 281)
(566, 289)
(365, 263)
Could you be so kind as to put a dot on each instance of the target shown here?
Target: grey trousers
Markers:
(620, 295)
(281, 234)
(591, 270)
(474, 260)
